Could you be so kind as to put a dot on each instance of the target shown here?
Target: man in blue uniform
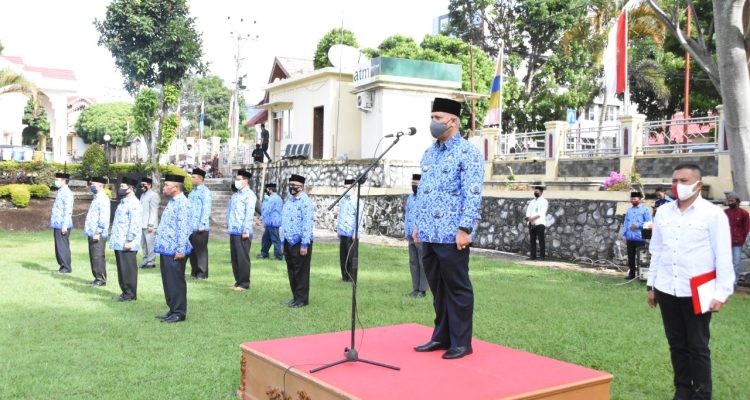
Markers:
(297, 229)
(173, 246)
(448, 208)
(96, 230)
(61, 222)
(635, 217)
(271, 216)
(200, 208)
(240, 229)
(125, 239)
(345, 229)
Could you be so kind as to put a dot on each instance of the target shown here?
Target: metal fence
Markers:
(693, 135)
(521, 146)
(592, 142)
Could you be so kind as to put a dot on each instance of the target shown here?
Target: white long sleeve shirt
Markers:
(538, 206)
(685, 245)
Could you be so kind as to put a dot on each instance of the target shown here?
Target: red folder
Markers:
(702, 288)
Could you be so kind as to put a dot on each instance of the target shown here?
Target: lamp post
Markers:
(107, 138)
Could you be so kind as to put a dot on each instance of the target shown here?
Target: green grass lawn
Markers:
(62, 339)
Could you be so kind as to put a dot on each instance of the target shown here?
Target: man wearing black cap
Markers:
(536, 216)
(418, 277)
(200, 208)
(96, 230)
(150, 215)
(240, 229)
(635, 217)
(125, 239)
(271, 218)
(345, 230)
(61, 221)
(173, 246)
(297, 229)
(448, 208)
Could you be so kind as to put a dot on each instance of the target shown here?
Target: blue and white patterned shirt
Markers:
(240, 212)
(409, 215)
(347, 211)
(450, 191)
(271, 211)
(638, 216)
(297, 220)
(62, 210)
(126, 226)
(97, 219)
(172, 235)
(200, 207)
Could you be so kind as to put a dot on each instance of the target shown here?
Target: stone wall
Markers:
(597, 167)
(533, 167)
(577, 228)
(661, 167)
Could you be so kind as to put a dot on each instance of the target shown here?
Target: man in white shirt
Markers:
(690, 238)
(536, 215)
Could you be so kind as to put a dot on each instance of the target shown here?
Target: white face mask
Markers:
(685, 192)
(238, 185)
(58, 184)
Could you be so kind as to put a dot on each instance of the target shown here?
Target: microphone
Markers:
(408, 132)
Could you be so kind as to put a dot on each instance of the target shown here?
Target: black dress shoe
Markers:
(173, 319)
(163, 316)
(457, 352)
(63, 271)
(287, 303)
(261, 256)
(298, 304)
(431, 346)
(420, 294)
(147, 266)
(98, 283)
(125, 298)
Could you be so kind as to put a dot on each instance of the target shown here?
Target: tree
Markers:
(94, 162)
(731, 21)
(105, 118)
(155, 45)
(36, 132)
(334, 36)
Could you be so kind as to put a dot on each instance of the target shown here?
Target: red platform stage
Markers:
(272, 368)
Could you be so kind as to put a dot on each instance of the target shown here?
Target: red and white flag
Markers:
(616, 53)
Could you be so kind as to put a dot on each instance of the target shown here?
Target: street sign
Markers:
(571, 116)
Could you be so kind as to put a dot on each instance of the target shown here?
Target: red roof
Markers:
(52, 73)
(257, 118)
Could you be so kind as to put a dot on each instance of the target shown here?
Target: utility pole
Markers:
(234, 108)
(687, 70)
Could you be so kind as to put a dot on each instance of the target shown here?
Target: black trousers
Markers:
(199, 255)
(62, 250)
(688, 335)
(447, 270)
(348, 260)
(96, 257)
(298, 269)
(127, 272)
(240, 254)
(175, 287)
(632, 253)
(536, 232)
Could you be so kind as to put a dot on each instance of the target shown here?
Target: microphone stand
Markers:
(350, 352)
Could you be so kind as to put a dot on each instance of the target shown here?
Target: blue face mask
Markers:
(437, 129)
(94, 189)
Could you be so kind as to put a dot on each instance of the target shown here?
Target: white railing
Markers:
(693, 135)
(592, 142)
(521, 146)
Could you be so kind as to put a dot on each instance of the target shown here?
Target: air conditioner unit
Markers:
(364, 101)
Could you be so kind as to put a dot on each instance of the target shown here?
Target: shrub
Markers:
(39, 191)
(94, 162)
(20, 195)
(4, 190)
(175, 170)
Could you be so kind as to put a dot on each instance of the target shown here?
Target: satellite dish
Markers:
(345, 58)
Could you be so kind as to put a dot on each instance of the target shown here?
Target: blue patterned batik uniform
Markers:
(271, 211)
(347, 211)
(409, 216)
(62, 210)
(240, 212)
(638, 216)
(126, 226)
(450, 191)
(97, 219)
(174, 228)
(297, 220)
(200, 207)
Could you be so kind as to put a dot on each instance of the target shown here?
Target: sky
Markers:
(61, 34)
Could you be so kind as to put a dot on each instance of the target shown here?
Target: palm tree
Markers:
(11, 82)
